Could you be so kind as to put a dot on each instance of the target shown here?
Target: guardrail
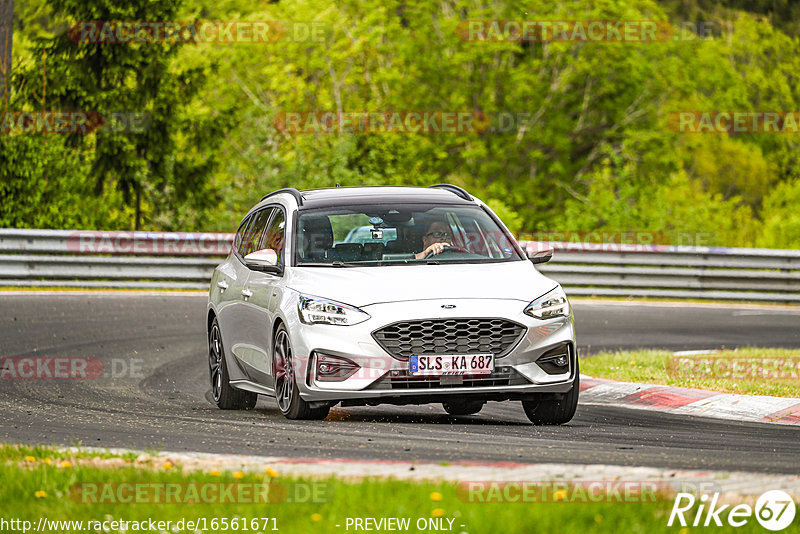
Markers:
(669, 271)
(66, 258)
(134, 260)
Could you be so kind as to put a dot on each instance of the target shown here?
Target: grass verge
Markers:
(31, 488)
(750, 371)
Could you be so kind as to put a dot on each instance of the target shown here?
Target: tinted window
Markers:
(240, 233)
(274, 237)
(255, 230)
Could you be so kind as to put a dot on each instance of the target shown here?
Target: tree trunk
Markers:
(138, 223)
(6, 32)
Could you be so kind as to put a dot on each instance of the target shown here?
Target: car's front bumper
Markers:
(383, 378)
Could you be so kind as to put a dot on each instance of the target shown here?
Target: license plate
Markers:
(450, 364)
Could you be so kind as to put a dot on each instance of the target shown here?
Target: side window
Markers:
(275, 235)
(255, 230)
(241, 233)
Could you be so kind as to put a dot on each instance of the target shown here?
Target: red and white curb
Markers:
(687, 401)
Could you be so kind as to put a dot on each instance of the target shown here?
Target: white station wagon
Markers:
(433, 302)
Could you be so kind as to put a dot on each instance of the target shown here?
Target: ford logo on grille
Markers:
(448, 306)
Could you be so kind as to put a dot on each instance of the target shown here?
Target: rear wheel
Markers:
(461, 407)
(225, 396)
(554, 409)
(286, 393)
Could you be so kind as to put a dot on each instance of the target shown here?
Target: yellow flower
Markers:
(65, 463)
(48, 461)
(271, 472)
(598, 519)
(560, 495)
(683, 531)
(30, 459)
(633, 362)
(316, 517)
(40, 494)
(214, 473)
(438, 512)
(238, 474)
(436, 496)
(168, 464)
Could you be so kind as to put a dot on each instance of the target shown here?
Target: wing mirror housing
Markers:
(264, 260)
(541, 256)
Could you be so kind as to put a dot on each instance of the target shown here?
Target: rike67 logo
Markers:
(774, 510)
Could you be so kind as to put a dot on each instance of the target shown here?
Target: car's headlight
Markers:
(550, 305)
(315, 310)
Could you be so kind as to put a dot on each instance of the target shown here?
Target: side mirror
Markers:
(542, 256)
(265, 260)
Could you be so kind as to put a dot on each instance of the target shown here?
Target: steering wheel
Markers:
(450, 248)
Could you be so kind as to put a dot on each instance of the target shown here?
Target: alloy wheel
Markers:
(284, 372)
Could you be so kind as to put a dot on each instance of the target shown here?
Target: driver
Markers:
(435, 240)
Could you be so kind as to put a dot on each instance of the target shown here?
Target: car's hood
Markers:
(362, 286)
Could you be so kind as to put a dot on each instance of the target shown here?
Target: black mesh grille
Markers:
(449, 336)
(504, 376)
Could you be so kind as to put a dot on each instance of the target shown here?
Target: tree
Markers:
(165, 160)
(6, 44)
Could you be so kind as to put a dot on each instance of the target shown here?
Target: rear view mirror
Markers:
(542, 256)
(263, 260)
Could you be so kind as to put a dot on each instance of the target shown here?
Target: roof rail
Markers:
(455, 189)
(291, 190)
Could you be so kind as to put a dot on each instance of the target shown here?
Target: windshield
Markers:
(384, 234)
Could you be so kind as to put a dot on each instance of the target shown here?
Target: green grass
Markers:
(653, 367)
(11, 453)
(21, 478)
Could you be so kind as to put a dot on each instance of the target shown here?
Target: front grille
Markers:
(449, 336)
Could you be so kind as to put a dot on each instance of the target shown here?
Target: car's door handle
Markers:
(222, 284)
(246, 293)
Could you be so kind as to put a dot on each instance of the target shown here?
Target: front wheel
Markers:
(554, 409)
(286, 393)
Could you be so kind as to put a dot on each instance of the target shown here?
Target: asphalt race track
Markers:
(158, 395)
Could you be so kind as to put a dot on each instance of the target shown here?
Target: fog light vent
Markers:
(334, 368)
(556, 361)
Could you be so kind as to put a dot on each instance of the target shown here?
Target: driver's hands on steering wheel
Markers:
(432, 250)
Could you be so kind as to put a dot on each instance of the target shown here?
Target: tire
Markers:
(554, 409)
(461, 407)
(226, 397)
(286, 393)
